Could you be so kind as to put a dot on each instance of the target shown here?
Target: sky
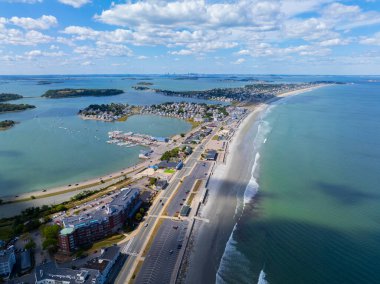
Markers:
(190, 36)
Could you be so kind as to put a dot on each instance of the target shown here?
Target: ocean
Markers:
(52, 146)
(311, 213)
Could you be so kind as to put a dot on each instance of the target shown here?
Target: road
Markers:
(162, 256)
(137, 244)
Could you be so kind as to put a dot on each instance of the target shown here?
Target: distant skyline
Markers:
(191, 36)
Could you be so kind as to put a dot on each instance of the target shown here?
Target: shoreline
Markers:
(79, 186)
(209, 240)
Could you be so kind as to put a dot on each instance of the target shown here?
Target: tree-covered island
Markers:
(6, 124)
(14, 107)
(74, 93)
(9, 97)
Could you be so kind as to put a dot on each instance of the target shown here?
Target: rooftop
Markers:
(119, 203)
(51, 271)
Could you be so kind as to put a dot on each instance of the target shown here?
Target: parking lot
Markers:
(162, 256)
(199, 172)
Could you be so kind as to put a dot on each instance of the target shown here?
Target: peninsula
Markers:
(6, 124)
(14, 107)
(4, 97)
(252, 93)
(74, 93)
(193, 112)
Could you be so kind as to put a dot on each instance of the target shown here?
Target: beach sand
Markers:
(228, 180)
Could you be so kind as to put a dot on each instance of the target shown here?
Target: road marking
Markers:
(202, 219)
(127, 246)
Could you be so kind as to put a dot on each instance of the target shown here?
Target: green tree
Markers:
(142, 210)
(138, 216)
(30, 245)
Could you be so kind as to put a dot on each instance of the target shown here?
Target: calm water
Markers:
(316, 217)
(51, 146)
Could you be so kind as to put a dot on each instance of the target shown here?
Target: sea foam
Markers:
(231, 253)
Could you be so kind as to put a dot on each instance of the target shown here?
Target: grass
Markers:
(106, 242)
(191, 197)
(194, 124)
(169, 171)
(152, 236)
(216, 137)
(6, 232)
(197, 185)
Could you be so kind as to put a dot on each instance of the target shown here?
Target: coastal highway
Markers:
(135, 246)
(160, 261)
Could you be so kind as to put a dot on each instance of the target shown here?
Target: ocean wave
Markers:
(231, 255)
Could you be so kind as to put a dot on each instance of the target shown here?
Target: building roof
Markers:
(110, 253)
(67, 231)
(211, 155)
(120, 202)
(25, 260)
(6, 254)
(51, 271)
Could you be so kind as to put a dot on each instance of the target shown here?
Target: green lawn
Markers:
(106, 242)
(169, 171)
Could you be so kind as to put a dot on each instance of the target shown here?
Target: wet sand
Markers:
(227, 182)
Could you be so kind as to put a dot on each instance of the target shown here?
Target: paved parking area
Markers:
(200, 172)
(162, 256)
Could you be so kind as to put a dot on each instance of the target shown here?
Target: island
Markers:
(252, 93)
(74, 93)
(9, 97)
(6, 124)
(14, 107)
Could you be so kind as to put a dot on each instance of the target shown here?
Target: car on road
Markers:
(171, 251)
(146, 225)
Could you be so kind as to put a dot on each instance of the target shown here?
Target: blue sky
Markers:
(198, 36)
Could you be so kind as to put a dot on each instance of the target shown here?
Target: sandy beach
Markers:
(228, 181)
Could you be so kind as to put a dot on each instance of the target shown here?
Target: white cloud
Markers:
(43, 23)
(75, 3)
(182, 52)
(142, 57)
(25, 1)
(17, 37)
(371, 40)
(87, 63)
(239, 61)
(103, 49)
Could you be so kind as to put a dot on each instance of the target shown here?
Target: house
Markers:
(105, 261)
(170, 165)
(161, 184)
(26, 262)
(50, 273)
(211, 155)
(7, 261)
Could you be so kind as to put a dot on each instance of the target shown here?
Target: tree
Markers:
(182, 134)
(142, 210)
(138, 216)
(30, 245)
(152, 181)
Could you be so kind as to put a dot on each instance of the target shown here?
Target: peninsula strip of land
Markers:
(74, 93)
